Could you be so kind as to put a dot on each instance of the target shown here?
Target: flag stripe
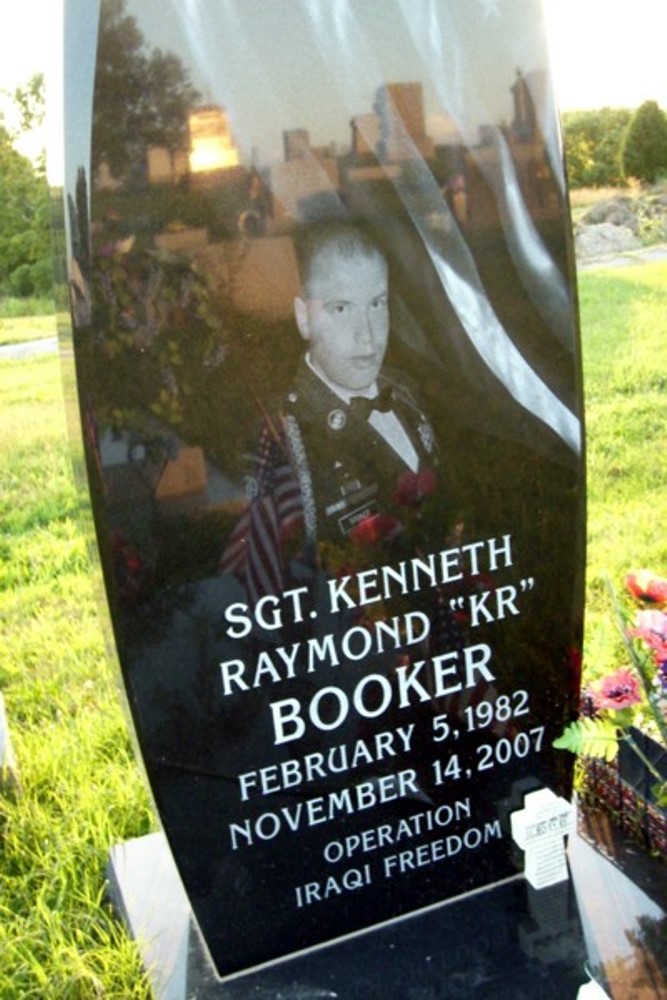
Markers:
(254, 549)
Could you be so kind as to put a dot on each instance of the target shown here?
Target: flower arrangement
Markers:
(634, 696)
(159, 336)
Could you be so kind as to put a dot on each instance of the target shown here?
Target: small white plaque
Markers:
(539, 829)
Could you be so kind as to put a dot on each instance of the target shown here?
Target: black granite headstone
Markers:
(325, 337)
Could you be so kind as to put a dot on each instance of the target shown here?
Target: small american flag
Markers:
(255, 548)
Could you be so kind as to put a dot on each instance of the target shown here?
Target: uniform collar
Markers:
(346, 395)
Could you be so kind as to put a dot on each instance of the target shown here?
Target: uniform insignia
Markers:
(336, 420)
(426, 435)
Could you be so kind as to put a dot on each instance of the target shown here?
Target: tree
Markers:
(142, 97)
(645, 146)
(593, 143)
(30, 102)
(25, 239)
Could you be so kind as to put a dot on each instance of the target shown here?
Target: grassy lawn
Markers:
(19, 329)
(81, 789)
(624, 326)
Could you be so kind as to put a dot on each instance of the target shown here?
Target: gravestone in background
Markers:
(8, 770)
(341, 676)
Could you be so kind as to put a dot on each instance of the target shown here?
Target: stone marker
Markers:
(8, 770)
(539, 829)
(334, 449)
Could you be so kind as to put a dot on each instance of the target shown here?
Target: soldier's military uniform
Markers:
(346, 469)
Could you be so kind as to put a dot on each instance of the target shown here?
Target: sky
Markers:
(602, 52)
(334, 57)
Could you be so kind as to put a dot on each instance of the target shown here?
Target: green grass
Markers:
(624, 323)
(81, 789)
(19, 329)
(11, 307)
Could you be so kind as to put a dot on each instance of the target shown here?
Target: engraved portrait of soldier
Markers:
(361, 445)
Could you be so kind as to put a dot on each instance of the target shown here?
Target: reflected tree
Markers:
(77, 208)
(651, 939)
(142, 96)
(643, 971)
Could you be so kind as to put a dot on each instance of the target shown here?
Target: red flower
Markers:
(375, 528)
(619, 690)
(412, 487)
(646, 586)
(652, 629)
(652, 621)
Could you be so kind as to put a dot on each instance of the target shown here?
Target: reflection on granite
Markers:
(622, 898)
(509, 942)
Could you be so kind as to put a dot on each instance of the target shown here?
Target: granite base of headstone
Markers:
(507, 941)
(148, 896)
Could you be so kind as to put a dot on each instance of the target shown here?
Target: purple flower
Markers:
(619, 690)
(652, 629)
(662, 675)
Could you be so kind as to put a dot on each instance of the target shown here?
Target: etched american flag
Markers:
(255, 548)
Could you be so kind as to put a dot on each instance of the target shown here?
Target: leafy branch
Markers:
(591, 738)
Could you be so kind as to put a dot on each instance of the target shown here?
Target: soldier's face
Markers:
(344, 316)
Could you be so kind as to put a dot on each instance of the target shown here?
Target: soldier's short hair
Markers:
(346, 238)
